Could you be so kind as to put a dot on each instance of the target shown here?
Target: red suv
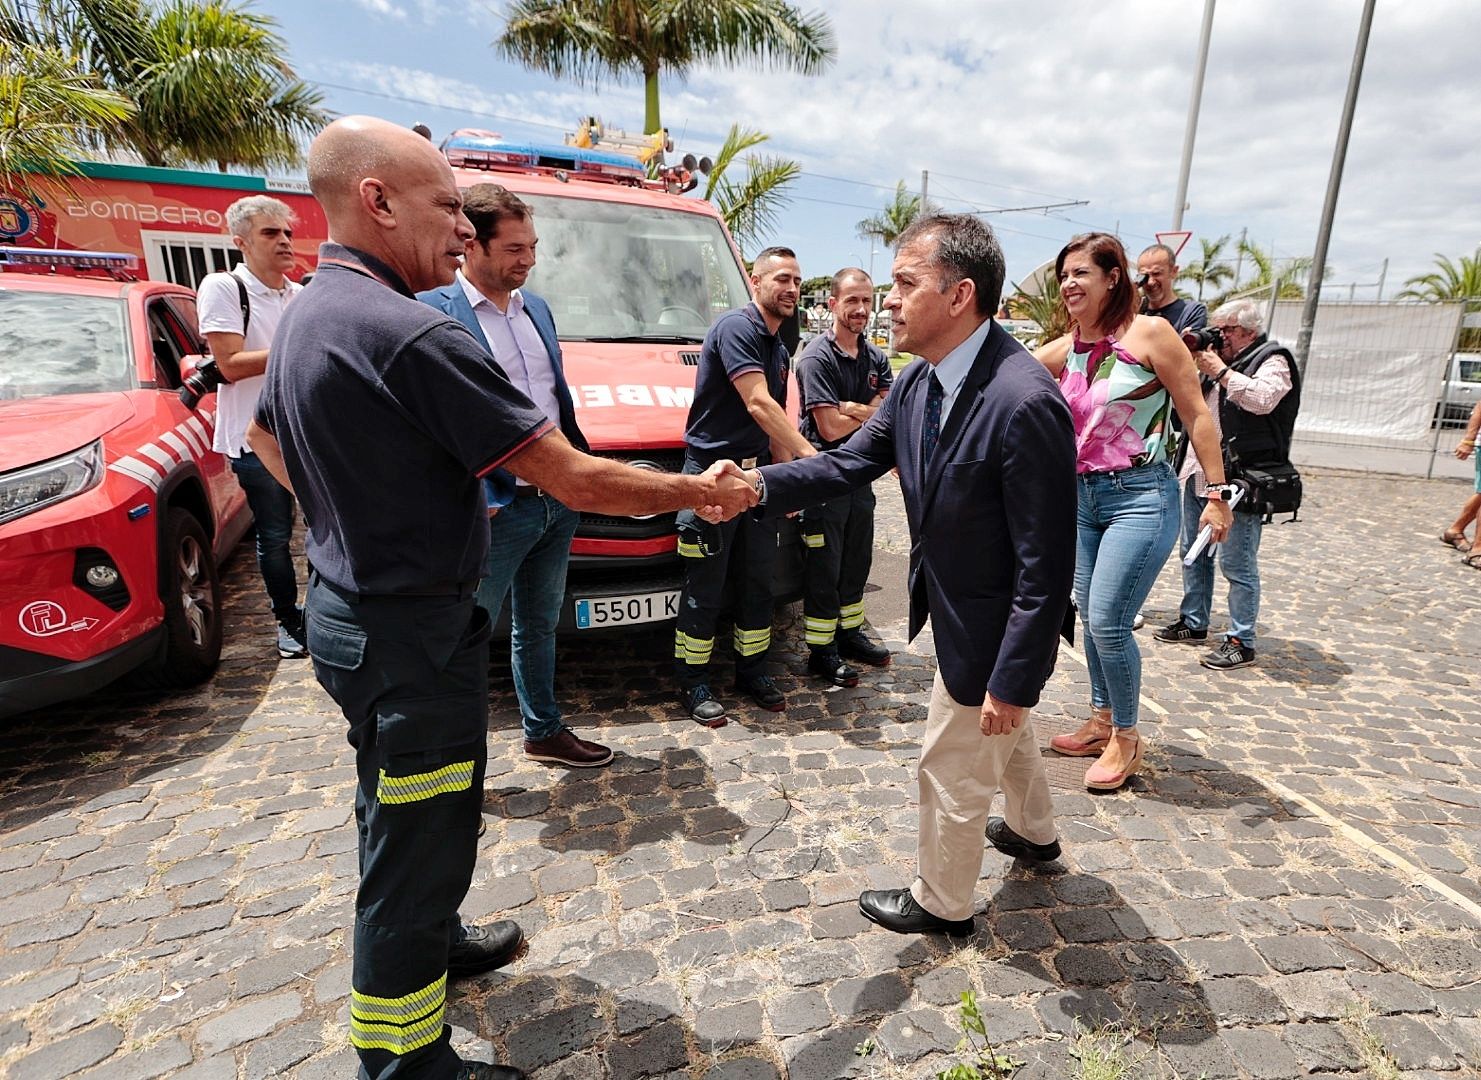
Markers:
(114, 510)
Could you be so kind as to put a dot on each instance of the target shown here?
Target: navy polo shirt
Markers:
(719, 423)
(830, 376)
(1183, 314)
(388, 412)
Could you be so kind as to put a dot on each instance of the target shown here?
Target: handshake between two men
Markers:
(730, 490)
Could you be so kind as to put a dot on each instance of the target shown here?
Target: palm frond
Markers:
(737, 141)
(752, 207)
(48, 107)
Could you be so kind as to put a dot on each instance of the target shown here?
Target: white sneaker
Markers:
(1140, 621)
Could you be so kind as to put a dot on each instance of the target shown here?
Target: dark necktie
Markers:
(932, 430)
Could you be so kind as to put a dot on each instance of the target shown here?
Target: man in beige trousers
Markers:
(985, 449)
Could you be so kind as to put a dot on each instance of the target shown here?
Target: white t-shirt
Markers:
(219, 307)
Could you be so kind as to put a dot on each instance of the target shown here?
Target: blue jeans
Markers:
(1237, 558)
(272, 509)
(529, 547)
(1127, 523)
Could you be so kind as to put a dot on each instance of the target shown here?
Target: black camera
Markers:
(1205, 337)
(205, 379)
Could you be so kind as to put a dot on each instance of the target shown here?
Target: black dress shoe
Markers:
(827, 664)
(855, 645)
(702, 706)
(1010, 843)
(483, 948)
(761, 690)
(482, 1070)
(896, 909)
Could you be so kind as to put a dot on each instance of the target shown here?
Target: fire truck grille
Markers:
(612, 527)
(690, 358)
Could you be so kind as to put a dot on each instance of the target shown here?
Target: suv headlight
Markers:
(27, 490)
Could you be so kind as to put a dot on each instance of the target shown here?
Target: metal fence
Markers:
(1386, 387)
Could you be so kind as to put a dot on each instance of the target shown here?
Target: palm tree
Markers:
(46, 108)
(751, 205)
(1450, 280)
(1287, 279)
(586, 39)
(1044, 308)
(894, 219)
(206, 77)
(1210, 269)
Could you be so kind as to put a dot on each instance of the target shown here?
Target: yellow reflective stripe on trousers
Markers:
(404, 789)
(813, 540)
(851, 616)
(692, 650)
(398, 1025)
(751, 642)
(820, 631)
(690, 551)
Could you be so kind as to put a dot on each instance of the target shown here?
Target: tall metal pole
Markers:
(1334, 184)
(925, 187)
(1191, 131)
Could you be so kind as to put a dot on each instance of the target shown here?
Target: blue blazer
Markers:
(992, 520)
(452, 300)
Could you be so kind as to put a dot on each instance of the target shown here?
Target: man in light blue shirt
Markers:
(530, 531)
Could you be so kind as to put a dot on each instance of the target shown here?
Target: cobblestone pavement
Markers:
(1289, 890)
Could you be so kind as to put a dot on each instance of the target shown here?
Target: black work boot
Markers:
(825, 663)
(855, 645)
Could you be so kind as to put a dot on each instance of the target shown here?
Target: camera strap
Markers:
(246, 305)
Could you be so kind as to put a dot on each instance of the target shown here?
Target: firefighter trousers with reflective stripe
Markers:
(411, 676)
(838, 550)
(735, 574)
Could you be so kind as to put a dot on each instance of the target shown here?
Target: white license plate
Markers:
(594, 614)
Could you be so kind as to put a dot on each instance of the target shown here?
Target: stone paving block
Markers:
(1084, 965)
(167, 1057)
(907, 1037)
(826, 1055)
(1322, 1046)
(1220, 958)
(247, 1021)
(1390, 992)
(1262, 1054)
(722, 1027)
(654, 1051)
(743, 1068)
(1411, 1043)
(1291, 953)
(1061, 1012)
(555, 1035)
(797, 1012)
(839, 921)
(68, 1056)
(871, 995)
(1086, 925)
(1201, 1055)
(642, 1007)
(280, 1053)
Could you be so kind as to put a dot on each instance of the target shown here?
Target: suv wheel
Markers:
(191, 591)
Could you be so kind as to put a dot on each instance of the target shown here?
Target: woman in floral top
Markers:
(1122, 374)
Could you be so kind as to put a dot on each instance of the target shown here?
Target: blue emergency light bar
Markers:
(99, 260)
(486, 151)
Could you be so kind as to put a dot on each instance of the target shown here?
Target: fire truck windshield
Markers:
(54, 343)
(616, 272)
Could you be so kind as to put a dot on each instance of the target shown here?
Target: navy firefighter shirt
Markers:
(388, 412)
(829, 376)
(720, 425)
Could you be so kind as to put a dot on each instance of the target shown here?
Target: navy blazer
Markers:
(452, 300)
(992, 520)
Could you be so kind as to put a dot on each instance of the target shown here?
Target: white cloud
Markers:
(384, 8)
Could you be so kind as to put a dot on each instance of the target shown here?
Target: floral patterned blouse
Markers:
(1122, 412)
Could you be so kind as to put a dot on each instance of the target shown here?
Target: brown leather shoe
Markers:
(565, 748)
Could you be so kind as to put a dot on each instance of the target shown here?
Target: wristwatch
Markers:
(1219, 492)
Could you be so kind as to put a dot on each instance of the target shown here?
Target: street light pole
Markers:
(1334, 183)
(1191, 131)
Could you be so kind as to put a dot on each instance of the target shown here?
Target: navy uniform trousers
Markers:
(838, 538)
(730, 564)
(411, 675)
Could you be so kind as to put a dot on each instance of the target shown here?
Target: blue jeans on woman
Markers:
(1237, 555)
(272, 510)
(529, 548)
(1127, 524)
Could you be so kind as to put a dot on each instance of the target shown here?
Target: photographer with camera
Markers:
(239, 313)
(1253, 391)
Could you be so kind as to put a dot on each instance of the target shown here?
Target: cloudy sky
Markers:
(1013, 105)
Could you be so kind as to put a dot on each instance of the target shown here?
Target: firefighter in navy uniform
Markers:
(844, 379)
(739, 415)
(382, 425)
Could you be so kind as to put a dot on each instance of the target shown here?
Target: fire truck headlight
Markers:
(24, 491)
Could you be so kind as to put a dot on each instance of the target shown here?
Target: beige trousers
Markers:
(960, 771)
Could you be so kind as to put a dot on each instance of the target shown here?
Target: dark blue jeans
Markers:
(272, 509)
(529, 547)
